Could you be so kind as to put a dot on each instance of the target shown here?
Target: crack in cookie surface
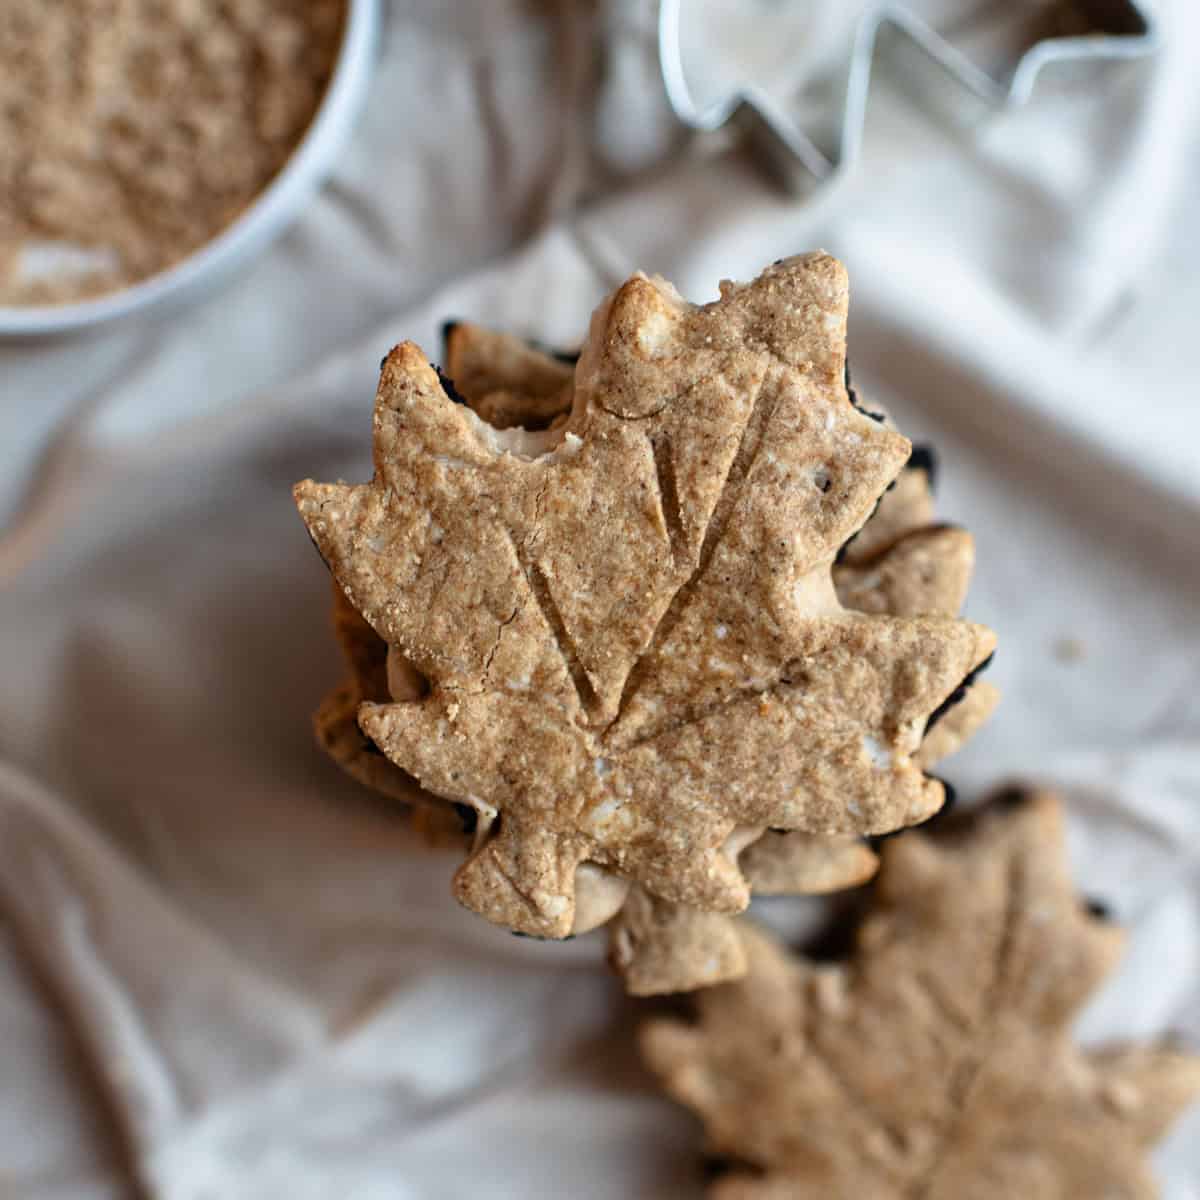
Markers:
(915, 567)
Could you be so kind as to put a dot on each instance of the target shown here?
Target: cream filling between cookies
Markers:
(529, 444)
(599, 895)
(485, 817)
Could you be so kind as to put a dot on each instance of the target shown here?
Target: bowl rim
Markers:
(266, 214)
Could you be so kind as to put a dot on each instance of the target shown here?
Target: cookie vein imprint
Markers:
(560, 593)
(919, 567)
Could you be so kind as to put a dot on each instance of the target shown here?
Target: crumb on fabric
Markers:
(1068, 649)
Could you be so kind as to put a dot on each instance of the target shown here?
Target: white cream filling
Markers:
(599, 895)
(485, 818)
(557, 442)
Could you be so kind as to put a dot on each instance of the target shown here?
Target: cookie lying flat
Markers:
(628, 624)
(938, 1062)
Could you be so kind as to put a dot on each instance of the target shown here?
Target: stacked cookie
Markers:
(656, 628)
(935, 1061)
(578, 582)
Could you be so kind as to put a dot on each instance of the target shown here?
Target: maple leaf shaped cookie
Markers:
(628, 624)
(914, 567)
(938, 1062)
(657, 946)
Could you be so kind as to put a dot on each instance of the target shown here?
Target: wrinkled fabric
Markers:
(226, 971)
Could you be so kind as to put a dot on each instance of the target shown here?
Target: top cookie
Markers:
(628, 624)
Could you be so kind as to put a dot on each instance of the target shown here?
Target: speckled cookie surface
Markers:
(901, 562)
(631, 635)
(937, 1063)
(658, 947)
(514, 385)
(924, 568)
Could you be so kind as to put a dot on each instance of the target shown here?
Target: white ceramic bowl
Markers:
(262, 221)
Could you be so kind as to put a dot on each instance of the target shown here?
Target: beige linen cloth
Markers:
(228, 974)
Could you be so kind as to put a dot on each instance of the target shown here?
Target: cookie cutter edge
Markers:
(802, 161)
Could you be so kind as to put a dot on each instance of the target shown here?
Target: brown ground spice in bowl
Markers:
(133, 131)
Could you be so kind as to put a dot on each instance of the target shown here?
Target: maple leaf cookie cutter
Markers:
(807, 157)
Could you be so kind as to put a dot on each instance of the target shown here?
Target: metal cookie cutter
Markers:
(812, 156)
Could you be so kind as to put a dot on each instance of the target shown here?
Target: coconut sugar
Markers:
(133, 131)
